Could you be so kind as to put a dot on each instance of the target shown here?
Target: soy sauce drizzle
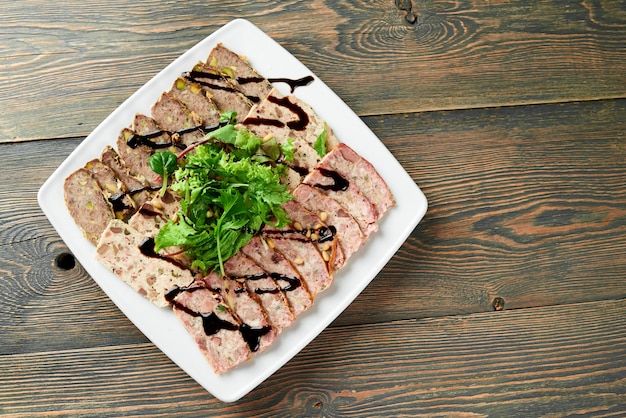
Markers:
(339, 183)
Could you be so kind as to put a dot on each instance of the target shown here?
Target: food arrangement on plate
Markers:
(230, 203)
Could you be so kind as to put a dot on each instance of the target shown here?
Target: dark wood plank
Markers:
(456, 54)
(45, 305)
(552, 361)
(527, 204)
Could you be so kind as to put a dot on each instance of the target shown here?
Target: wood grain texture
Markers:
(568, 360)
(527, 201)
(507, 300)
(460, 54)
(526, 204)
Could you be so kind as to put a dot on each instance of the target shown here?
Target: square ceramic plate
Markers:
(160, 325)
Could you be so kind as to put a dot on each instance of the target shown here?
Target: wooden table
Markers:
(507, 300)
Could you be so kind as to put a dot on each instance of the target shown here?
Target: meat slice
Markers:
(303, 221)
(113, 189)
(309, 227)
(335, 186)
(149, 219)
(237, 69)
(194, 97)
(225, 96)
(130, 256)
(139, 192)
(305, 156)
(307, 260)
(360, 175)
(255, 326)
(262, 287)
(172, 115)
(348, 231)
(86, 204)
(211, 323)
(288, 116)
(281, 270)
(136, 145)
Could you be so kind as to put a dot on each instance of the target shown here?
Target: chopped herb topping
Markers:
(230, 187)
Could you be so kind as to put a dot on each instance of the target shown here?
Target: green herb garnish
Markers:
(320, 142)
(227, 194)
(163, 163)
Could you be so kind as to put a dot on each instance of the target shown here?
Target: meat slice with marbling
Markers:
(130, 256)
(172, 115)
(87, 204)
(262, 287)
(281, 270)
(241, 74)
(359, 175)
(212, 325)
(348, 231)
(255, 326)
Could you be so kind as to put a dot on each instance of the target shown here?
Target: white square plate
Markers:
(160, 325)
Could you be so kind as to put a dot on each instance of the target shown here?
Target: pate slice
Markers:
(213, 326)
(128, 254)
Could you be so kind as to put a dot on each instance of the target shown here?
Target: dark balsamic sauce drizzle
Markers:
(292, 282)
(298, 124)
(263, 121)
(196, 77)
(211, 323)
(293, 83)
(146, 246)
(324, 234)
(117, 202)
(252, 336)
(143, 189)
(136, 139)
(148, 211)
(339, 183)
(327, 233)
(302, 171)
